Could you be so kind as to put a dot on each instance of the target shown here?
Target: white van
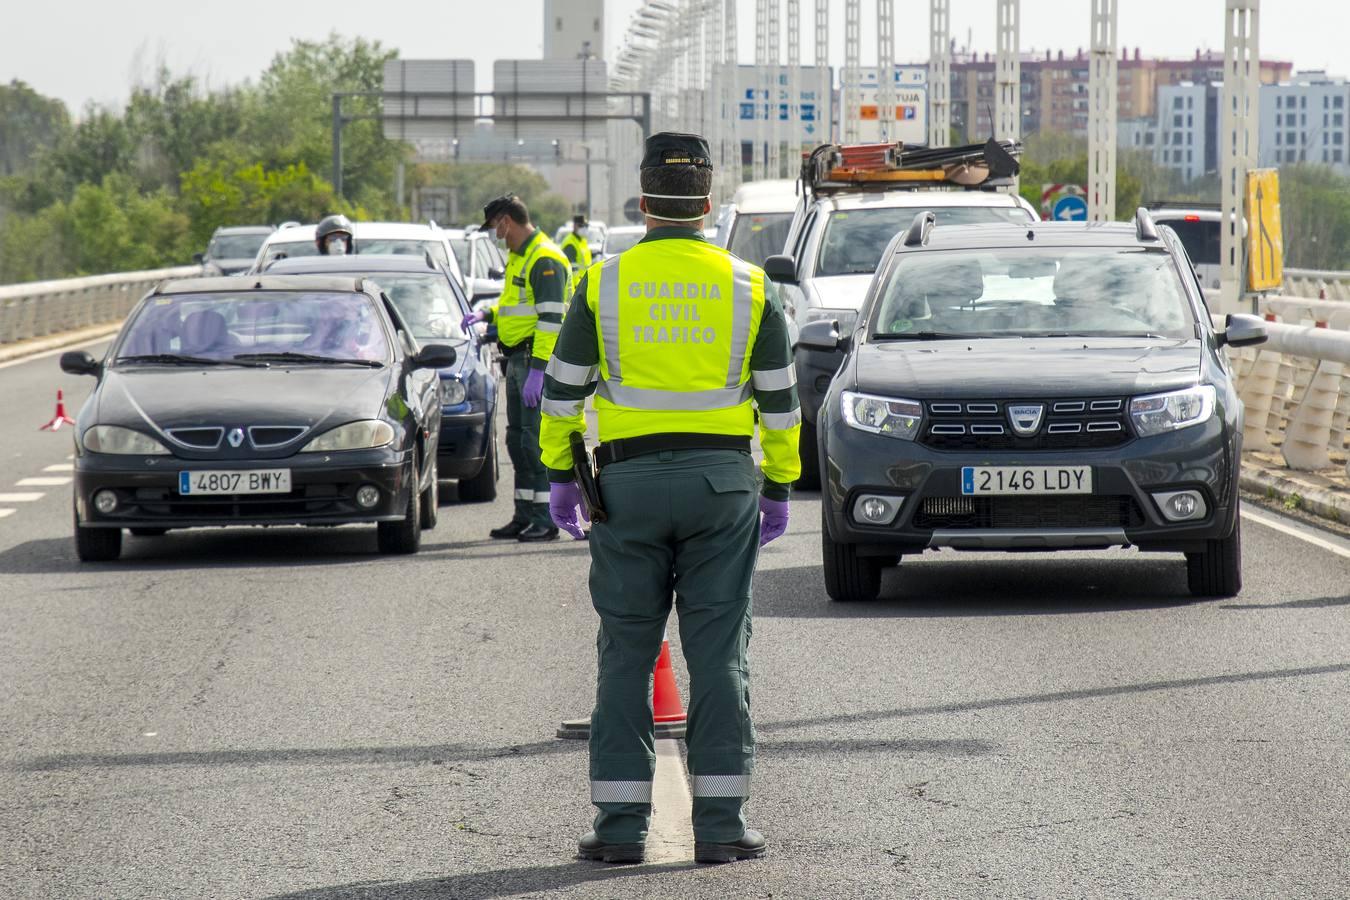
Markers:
(754, 225)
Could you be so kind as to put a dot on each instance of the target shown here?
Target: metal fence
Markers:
(41, 308)
(1317, 283)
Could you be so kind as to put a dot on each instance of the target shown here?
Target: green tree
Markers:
(1315, 216)
(216, 193)
(477, 183)
(32, 123)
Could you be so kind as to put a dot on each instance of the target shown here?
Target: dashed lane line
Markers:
(27, 497)
(60, 467)
(53, 481)
(6, 512)
(670, 838)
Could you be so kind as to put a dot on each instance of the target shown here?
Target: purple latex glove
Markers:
(774, 519)
(533, 391)
(472, 319)
(564, 506)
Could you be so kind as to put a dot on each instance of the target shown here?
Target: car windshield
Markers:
(383, 246)
(426, 303)
(462, 249)
(619, 241)
(757, 236)
(235, 246)
(1026, 293)
(855, 239)
(1201, 239)
(221, 326)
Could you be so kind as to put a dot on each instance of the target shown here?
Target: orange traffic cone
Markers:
(60, 418)
(667, 710)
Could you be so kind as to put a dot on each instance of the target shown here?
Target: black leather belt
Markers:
(627, 448)
(526, 345)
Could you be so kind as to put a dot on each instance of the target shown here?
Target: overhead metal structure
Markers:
(1008, 73)
(761, 88)
(794, 82)
(1102, 90)
(852, 112)
(1237, 139)
(731, 139)
(939, 73)
(774, 160)
(886, 69)
(823, 48)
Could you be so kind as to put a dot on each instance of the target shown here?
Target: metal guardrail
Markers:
(1325, 285)
(40, 308)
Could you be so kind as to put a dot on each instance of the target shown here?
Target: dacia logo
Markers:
(1026, 418)
(235, 437)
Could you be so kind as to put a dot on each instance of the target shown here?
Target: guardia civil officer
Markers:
(675, 338)
(576, 248)
(528, 317)
(333, 236)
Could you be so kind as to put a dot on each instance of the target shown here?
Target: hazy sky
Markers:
(83, 51)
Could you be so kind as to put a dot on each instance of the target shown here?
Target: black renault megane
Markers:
(270, 400)
(1050, 386)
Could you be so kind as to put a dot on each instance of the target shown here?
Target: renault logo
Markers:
(1026, 417)
(236, 436)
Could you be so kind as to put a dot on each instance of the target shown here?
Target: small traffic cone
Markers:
(60, 418)
(667, 710)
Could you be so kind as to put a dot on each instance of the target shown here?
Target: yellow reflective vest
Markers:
(517, 315)
(582, 249)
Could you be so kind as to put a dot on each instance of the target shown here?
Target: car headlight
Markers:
(125, 441)
(1160, 413)
(452, 392)
(361, 435)
(882, 415)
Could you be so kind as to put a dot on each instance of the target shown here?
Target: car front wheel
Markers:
(849, 578)
(431, 499)
(97, 544)
(404, 536)
(809, 454)
(1216, 571)
(482, 488)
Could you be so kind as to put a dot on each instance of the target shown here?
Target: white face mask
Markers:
(337, 245)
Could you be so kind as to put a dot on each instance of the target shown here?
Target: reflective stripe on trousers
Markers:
(621, 792)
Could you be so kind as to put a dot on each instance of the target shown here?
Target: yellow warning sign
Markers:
(1265, 245)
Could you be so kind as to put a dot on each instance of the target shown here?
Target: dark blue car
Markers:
(433, 305)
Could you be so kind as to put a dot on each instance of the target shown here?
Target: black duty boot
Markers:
(537, 533)
(591, 847)
(509, 530)
(750, 846)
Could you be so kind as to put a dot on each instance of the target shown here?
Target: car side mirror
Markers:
(496, 274)
(78, 362)
(483, 289)
(822, 334)
(781, 268)
(435, 356)
(199, 258)
(1242, 331)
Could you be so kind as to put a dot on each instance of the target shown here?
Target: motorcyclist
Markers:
(333, 236)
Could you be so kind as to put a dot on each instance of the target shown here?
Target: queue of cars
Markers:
(971, 378)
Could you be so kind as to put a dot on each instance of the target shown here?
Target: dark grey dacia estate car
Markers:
(1045, 386)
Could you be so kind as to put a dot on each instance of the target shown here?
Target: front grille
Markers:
(265, 437)
(197, 438)
(1070, 511)
(1087, 424)
(314, 500)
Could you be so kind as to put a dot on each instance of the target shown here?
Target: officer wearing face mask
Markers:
(334, 236)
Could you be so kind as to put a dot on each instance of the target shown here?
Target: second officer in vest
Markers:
(528, 318)
(676, 338)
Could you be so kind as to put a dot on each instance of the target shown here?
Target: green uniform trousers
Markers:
(686, 522)
(522, 445)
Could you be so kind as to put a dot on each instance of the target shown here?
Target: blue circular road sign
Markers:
(1070, 208)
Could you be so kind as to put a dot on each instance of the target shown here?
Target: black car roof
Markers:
(359, 263)
(238, 283)
(1043, 234)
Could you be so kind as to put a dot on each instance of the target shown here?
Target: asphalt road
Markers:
(285, 713)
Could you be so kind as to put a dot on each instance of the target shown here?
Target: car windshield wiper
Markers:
(292, 356)
(1089, 334)
(178, 359)
(927, 336)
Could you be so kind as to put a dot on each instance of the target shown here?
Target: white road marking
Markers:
(102, 339)
(60, 467)
(42, 482)
(670, 838)
(21, 498)
(1299, 533)
(6, 512)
